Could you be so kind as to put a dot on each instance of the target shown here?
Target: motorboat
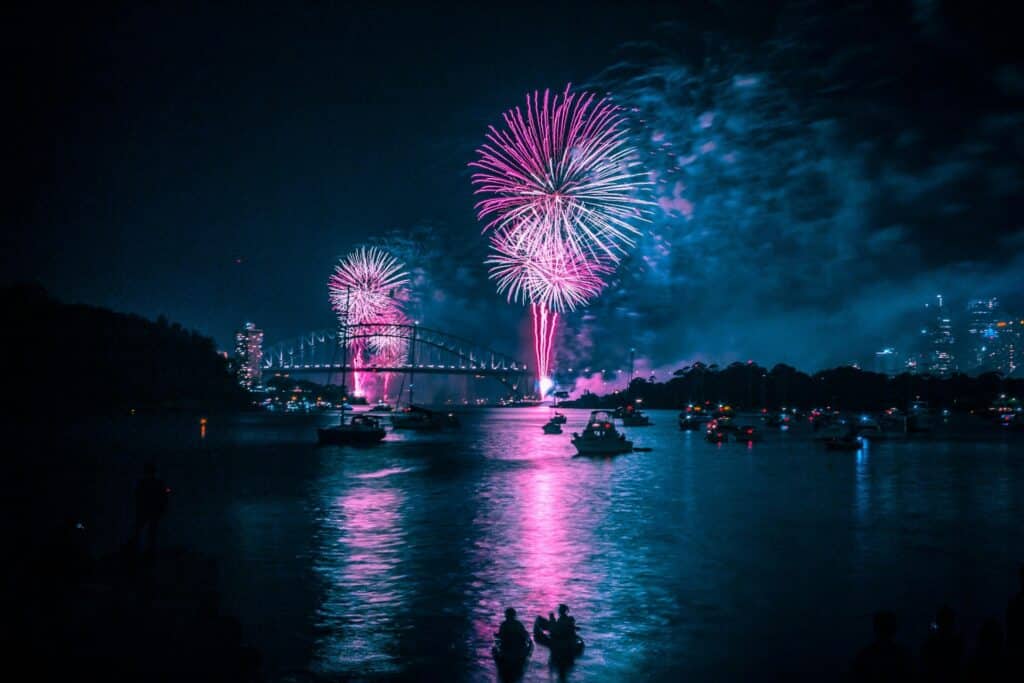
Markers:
(693, 421)
(632, 416)
(716, 436)
(360, 430)
(416, 418)
(746, 433)
(879, 430)
(552, 427)
(600, 437)
(558, 418)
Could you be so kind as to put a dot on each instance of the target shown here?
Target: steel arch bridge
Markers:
(426, 351)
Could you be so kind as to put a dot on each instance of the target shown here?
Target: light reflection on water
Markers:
(692, 560)
(361, 542)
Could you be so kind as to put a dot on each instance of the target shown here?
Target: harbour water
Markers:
(693, 560)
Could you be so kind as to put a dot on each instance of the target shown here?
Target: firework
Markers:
(545, 273)
(367, 288)
(367, 285)
(562, 171)
(559, 186)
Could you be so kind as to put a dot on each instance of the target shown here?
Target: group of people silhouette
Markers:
(942, 658)
(559, 633)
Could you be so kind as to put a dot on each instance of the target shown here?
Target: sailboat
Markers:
(360, 429)
(418, 418)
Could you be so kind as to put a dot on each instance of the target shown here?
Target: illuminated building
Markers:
(983, 341)
(1006, 355)
(249, 356)
(887, 361)
(938, 334)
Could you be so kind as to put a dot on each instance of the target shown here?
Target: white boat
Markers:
(600, 437)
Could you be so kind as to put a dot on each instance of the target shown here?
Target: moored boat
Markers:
(552, 427)
(632, 416)
(600, 437)
(361, 429)
(416, 418)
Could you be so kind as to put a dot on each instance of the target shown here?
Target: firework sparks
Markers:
(545, 273)
(368, 287)
(559, 186)
(564, 172)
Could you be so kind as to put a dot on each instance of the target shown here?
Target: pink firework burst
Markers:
(368, 286)
(560, 197)
(546, 273)
(562, 171)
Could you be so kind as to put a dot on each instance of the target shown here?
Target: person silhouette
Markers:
(513, 636)
(151, 496)
(943, 650)
(883, 659)
(564, 628)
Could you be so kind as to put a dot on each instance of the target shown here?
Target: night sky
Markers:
(820, 173)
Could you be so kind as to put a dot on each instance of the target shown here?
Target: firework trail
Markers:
(559, 186)
(368, 287)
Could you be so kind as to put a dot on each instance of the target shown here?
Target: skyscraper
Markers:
(1006, 346)
(938, 333)
(982, 335)
(249, 356)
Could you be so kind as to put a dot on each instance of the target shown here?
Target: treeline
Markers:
(748, 386)
(85, 359)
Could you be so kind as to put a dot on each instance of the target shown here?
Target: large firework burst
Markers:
(368, 288)
(559, 186)
(562, 172)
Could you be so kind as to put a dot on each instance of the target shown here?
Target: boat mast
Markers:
(412, 359)
(344, 354)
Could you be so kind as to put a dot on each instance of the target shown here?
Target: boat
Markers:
(417, 418)
(632, 416)
(693, 421)
(746, 433)
(381, 407)
(520, 403)
(558, 418)
(559, 650)
(716, 436)
(600, 437)
(361, 429)
(552, 427)
(880, 430)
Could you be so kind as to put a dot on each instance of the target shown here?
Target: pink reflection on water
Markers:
(547, 555)
(362, 548)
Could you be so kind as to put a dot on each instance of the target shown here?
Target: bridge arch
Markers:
(426, 350)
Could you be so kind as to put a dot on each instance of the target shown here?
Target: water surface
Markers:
(693, 560)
